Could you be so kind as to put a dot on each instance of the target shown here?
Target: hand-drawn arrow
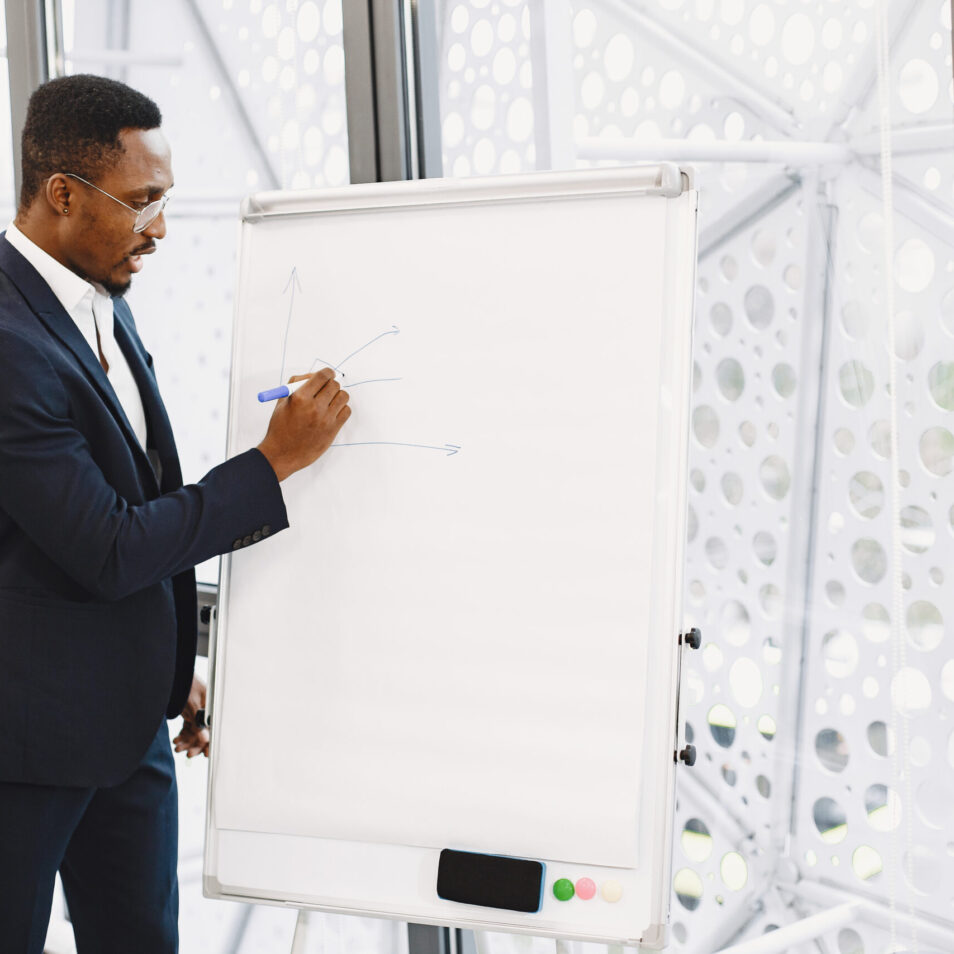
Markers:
(292, 283)
(451, 449)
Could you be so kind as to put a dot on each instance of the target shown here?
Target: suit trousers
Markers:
(116, 851)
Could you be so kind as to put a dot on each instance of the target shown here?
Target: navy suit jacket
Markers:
(97, 588)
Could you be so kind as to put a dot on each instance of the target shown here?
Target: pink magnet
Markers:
(586, 888)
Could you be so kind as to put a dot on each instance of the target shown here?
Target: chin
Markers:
(116, 289)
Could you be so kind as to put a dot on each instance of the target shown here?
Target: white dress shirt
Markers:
(92, 309)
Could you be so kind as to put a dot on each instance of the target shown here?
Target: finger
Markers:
(339, 401)
(298, 377)
(343, 415)
(318, 380)
(329, 391)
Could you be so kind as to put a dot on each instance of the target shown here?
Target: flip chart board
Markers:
(466, 642)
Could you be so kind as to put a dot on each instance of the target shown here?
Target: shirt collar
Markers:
(68, 287)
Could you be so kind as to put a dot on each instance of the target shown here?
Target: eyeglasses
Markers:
(144, 217)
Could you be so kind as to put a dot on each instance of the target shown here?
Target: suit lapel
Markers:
(39, 296)
(160, 430)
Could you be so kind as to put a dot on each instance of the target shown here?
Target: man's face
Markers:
(102, 246)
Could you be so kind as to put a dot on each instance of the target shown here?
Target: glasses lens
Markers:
(150, 213)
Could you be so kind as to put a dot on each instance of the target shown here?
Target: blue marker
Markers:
(285, 390)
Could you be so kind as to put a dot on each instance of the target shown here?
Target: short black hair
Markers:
(73, 125)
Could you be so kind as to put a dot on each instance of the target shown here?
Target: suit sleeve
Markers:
(54, 490)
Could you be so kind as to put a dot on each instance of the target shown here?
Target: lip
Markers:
(134, 260)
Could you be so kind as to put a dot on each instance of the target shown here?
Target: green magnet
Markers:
(563, 889)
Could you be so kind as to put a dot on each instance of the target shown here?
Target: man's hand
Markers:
(192, 739)
(304, 425)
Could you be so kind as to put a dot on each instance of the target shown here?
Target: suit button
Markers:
(247, 540)
(256, 536)
(266, 530)
(237, 544)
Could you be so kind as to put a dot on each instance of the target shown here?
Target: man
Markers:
(98, 537)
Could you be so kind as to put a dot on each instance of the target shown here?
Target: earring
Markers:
(66, 211)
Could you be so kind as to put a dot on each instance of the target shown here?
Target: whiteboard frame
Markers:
(666, 180)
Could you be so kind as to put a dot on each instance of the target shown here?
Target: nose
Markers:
(156, 229)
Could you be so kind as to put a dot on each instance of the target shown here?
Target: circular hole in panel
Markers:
(881, 739)
(771, 653)
(698, 480)
(883, 807)
(763, 246)
(722, 724)
(933, 800)
(618, 58)
(734, 871)
(917, 530)
(830, 820)
(798, 39)
(871, 231)
(941, 384)
(759, 307)
(947, 679)
(854, 319)
(844, 441)
(767, 727)
(783, 380)
(835, 592)
(672, 89)
(876, 623)
(705, 425)
(688, 888)
(692, 524)
(729, 267)
(937, 575)
(717, 553)
(832, 750)
(732, 488)
(680, 933)
(869, 560)
(762, 25)
(745, 682)
(879, 436)
(849, 942)
(748, 433)
(584, 27)
(856, 383)
(696, 840)
(917, 86)
(730, 378)
(735, 623)
(792, 276)
(770, 599)
(765, 547)
(729, 775)
(914, 265)
(937, 450)
(925, 625)
(866, 494)
(721, 317)
(763, 786)
(712, 656)
(910, 691)
(773, 472)
(866, 862)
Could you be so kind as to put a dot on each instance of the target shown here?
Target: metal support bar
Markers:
(781, 939)
(926, 137)
(245, 120)
(746, 212)
(425, 66)
(28, 65)
(379, 134)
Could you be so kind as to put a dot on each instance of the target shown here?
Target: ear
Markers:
(58, 192)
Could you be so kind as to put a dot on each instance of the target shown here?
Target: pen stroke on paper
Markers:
(294, 284)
